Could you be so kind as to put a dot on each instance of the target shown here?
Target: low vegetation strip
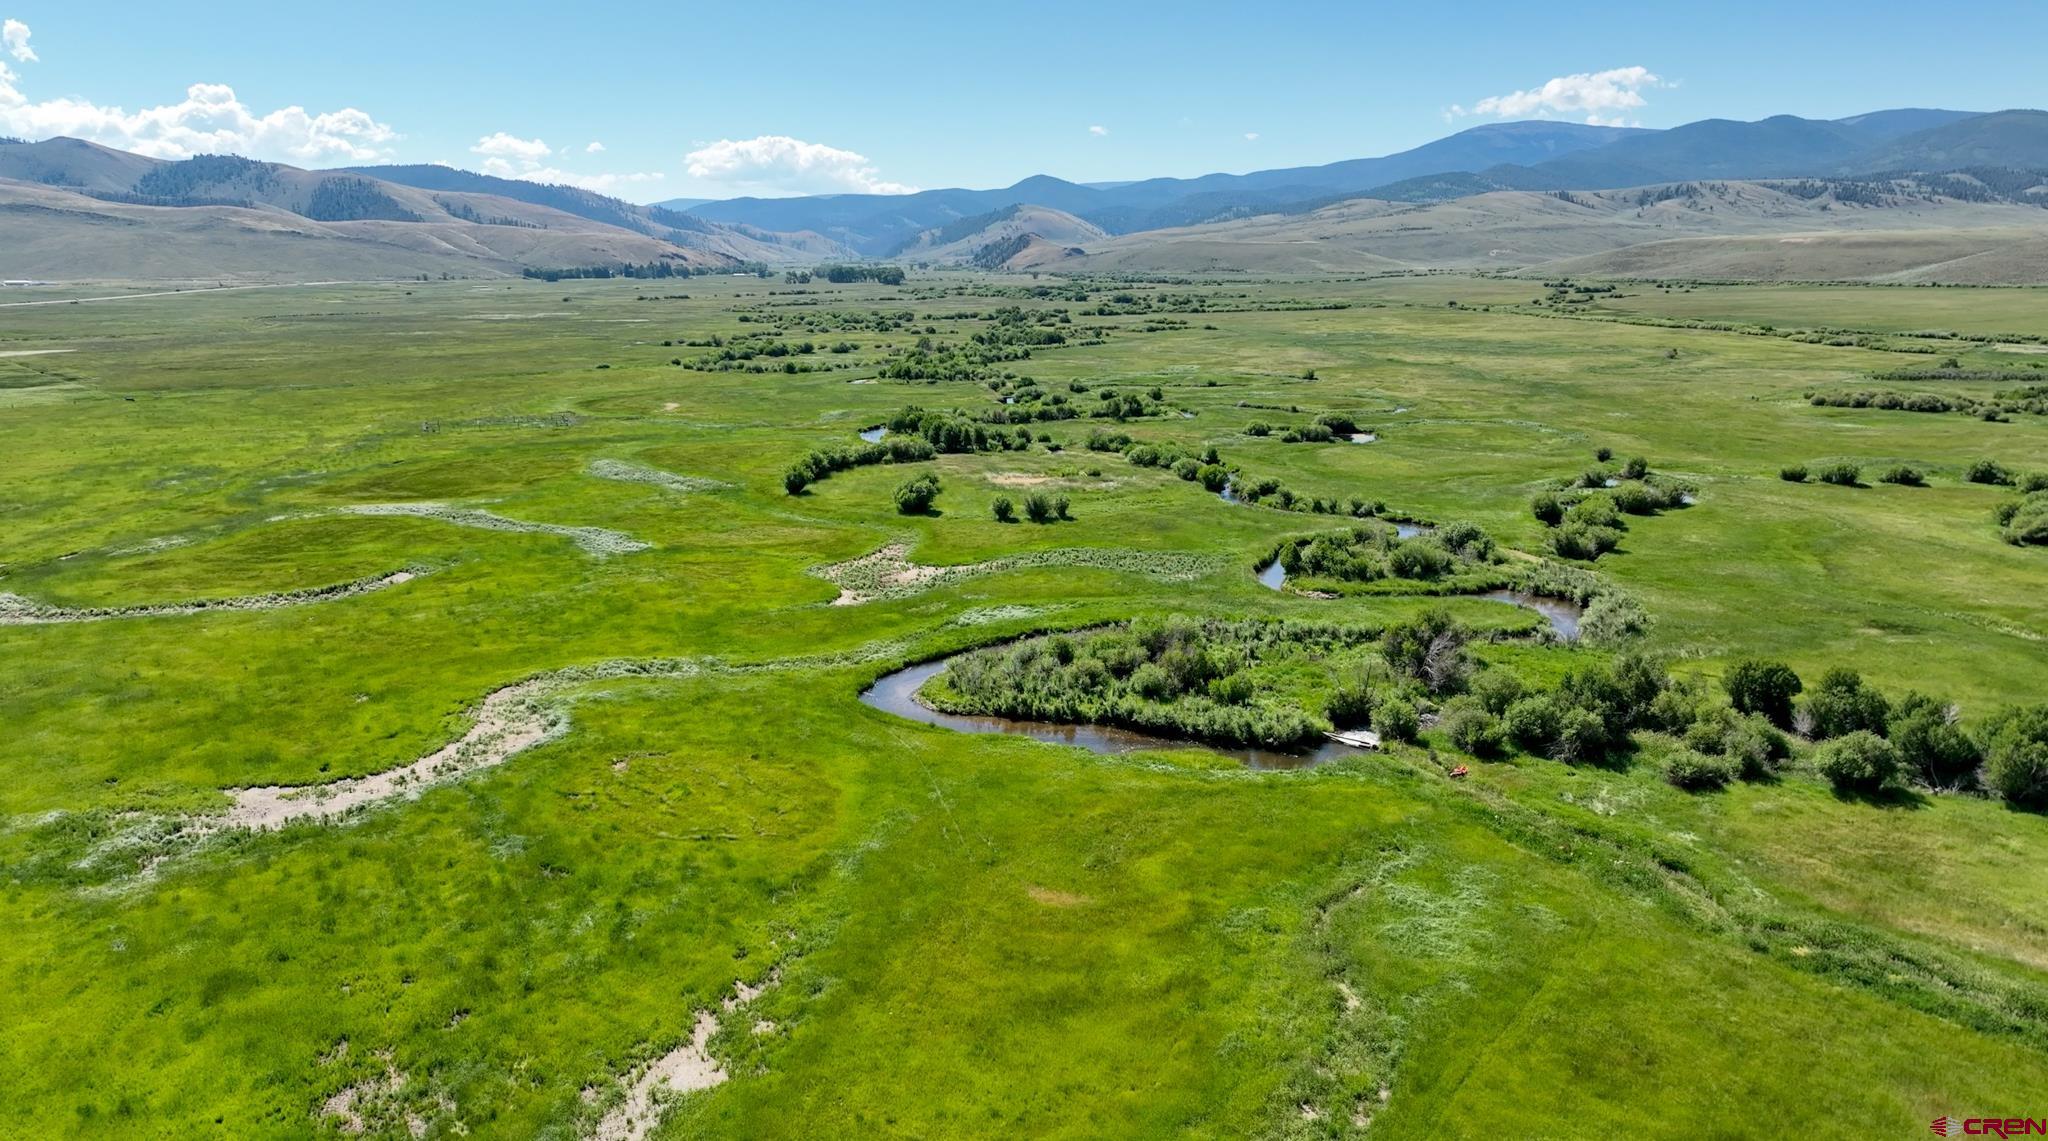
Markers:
(627, 472)
(18, 611)
(596, 541)
(508, 721)
(647, 1090)
(889, 573)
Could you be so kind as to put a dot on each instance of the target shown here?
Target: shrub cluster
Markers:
(1175, 676)
(919, 435)
(1586, 514)
(1842, 475)
(1209, 469)
(1376, 551)
(2024, 521)
(1868, 744)
(820, 463)
(1322, 430)
(914, 496)
(2028, 400)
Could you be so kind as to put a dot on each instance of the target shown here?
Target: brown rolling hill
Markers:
(1014, 237)
(1902, 227)
(73, 210)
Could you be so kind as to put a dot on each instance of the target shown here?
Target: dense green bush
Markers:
(1635, 499)
(2025, 523)
(1005, 511)
(1582, 541)
(1842, 475)
(1903, 476)
(1763, 688)
(1038, 507)
(1431, 649)
(1840, 704)
(1496, 689)
(1747, 741)
(1932, 747)
(822, 462)
(2016, 755)
(1374, 551)
(1532, 722)
(1991, 472)
(1547, 508)
(1582, 737)
(1350, 702)
(1175, 676)
(1699, 772)
(1470, 727)
(1860, 762)
(1420, 557)
(914, 496)
(1612, 618)
(1793, 473)
(1394, 717)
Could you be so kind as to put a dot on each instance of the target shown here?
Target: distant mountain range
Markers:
(73, 209)
(1537, 155)
(1926, 194)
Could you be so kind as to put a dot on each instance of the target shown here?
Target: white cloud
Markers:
(210, 120)
(1098, 131)
(1588, 93)
(780, 163)
(602, 183)
(509, 156)
(1251, 136)
(511, 148)
(14, 36)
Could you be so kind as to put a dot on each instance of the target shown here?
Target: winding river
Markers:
(897, 693)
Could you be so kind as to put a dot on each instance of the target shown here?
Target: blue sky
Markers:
(711, 101)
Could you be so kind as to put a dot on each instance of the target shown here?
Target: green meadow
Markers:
(973, 935)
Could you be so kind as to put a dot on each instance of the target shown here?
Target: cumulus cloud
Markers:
(509, 156)
(1598, 95)
(780, 163)
(210, 120)
(1098, 131)
(1251, 136)
(609, 183)
(511, 148)
(14, 37)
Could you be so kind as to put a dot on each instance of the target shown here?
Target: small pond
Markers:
(874, 435)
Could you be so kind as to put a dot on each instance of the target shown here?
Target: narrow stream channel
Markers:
(897, 693)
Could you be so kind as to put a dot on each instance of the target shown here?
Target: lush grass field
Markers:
(969, 936)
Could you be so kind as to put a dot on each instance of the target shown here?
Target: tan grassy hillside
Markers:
(1511, 229)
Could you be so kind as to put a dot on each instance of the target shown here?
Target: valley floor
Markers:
(501, 557)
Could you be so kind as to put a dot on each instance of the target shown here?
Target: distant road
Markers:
(184, 292)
